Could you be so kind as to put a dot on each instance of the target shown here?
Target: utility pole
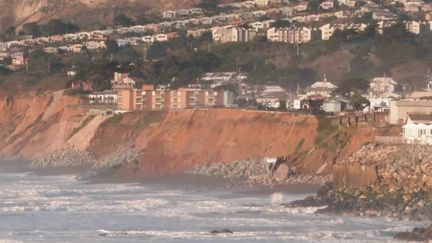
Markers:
(145, 54)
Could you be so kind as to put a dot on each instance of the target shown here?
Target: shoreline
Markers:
(180, 181)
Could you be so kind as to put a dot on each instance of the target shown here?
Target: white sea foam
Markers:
(277, 198)
(63, 210)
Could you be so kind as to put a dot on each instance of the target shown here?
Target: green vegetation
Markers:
(115, 119)
(182, 60)
(299, 145)
(123, 20)
(150, 118)
(53, 27)
(210, 6)
(41, 64)
(325, 129)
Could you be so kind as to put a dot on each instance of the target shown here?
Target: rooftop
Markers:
(414, 103)
(421, 118)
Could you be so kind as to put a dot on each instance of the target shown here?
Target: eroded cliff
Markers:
(36, 125)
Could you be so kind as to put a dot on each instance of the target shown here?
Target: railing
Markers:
(389, 139)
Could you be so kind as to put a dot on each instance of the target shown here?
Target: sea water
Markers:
(63, 209)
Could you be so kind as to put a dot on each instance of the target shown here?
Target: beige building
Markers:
(293, 35)
(122, 81)
(399, 110)
(156, 99)
(233, 34)
(129, 99)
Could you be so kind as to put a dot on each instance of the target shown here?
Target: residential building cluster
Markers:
(229, 26)
(127, 97)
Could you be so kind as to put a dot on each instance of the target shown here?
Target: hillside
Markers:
(81, 12)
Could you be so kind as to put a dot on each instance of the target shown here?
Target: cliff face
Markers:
(187, 138)
(36, 125)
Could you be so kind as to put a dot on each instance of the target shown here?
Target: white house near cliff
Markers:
(321, 88)
(418, 129)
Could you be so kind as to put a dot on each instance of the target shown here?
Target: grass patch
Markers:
(150, 118)
(115, 119)
(303, 122)
(299, 145)
(325, 129)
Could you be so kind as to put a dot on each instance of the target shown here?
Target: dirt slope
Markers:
(83, 12)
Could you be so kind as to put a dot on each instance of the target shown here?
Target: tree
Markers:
(280, 23)
(359, 102)
(57, 26)
(112, 46)
(10, 31)
(353, 85)
(32, 28)
(4, 71)
(211, 6)
(123, 20)
(314, 6)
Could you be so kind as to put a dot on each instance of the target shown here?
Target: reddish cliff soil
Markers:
(187, 138)
(33, 124)
(38, 124)
(119, 132)
(336, 146)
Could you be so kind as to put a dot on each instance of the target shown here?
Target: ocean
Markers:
(61, 208)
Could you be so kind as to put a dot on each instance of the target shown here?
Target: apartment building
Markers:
(152, 98)
(233, 34)
(129, 99)
(122, 81)
(293, 35)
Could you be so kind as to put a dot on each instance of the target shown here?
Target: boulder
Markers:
(281, 172)
(222, 231)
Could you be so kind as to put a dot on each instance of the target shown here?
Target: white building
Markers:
(382, 86)
(232, 34)
(321, 88)
(418, 129)
(270, 95)
(104, 97)
(293, 35)
(327, 31)
(262, 3)
(169, 14)
(326, 5)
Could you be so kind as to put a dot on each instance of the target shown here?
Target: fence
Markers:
(389, 139)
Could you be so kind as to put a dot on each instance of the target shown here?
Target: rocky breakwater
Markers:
(258, 172)
(380, 180)
(64, 158)
(107, 166)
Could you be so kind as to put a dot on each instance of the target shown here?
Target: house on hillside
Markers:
(18, 59)
(271, 96)
(400, 109)
(326, 5)
(82, 85)
(321, 88)
(262, 3)
(3, 46)
(122, 81)
(380, 86)
(418, 129)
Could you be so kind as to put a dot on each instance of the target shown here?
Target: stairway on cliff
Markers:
(51, 108)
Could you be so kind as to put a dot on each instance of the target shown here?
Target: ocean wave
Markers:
(295, 210)
(10, 241)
